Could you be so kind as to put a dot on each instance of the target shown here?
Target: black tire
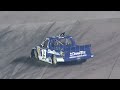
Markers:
(82, 60)
(34, 54)
(54, 60)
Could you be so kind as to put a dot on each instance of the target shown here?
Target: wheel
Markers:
(54, 60)
(34, 54)
(82, 60)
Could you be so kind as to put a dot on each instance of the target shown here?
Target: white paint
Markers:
(78, 53)
(60, 60)
(43, 54)
(53, 52)
(45, 60)
(78, 56)
(92, 55)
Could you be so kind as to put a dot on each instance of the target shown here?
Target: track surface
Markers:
(16, 41)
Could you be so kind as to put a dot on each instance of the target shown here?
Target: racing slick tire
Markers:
(34, 55)
(82, 60)
(54, 60)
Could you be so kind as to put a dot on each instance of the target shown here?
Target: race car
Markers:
(61, 48)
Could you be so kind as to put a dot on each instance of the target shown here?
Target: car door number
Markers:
(43, 54)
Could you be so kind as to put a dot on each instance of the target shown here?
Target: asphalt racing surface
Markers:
(17, 39)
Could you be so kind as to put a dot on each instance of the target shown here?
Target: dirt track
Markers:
(16, 41)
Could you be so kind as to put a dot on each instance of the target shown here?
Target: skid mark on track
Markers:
(109, 38)
(18, 67)
(43, 72)
(84, 32)
(117, 58)
(104, 55)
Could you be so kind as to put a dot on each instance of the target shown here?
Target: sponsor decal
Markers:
(78, 54)
(53, 52)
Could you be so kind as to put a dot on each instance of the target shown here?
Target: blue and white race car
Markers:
(61, 48)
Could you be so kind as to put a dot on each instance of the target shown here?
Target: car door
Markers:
(43, 55)
(44, 50)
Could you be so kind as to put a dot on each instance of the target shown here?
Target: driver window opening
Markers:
(45, 44)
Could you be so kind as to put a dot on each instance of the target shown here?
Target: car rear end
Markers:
(77, 53)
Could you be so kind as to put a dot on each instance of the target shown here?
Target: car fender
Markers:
(53, 52)
(38, 49)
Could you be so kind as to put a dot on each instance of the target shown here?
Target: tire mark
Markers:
(108, 39)
(15, 71)
(117, 58)
(42, 73)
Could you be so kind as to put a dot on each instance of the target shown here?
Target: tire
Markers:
(34, 54)
(54, 60)
(82, 60)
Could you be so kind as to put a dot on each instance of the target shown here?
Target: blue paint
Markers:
(71, 52)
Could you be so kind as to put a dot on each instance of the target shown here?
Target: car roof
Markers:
(58, 37)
